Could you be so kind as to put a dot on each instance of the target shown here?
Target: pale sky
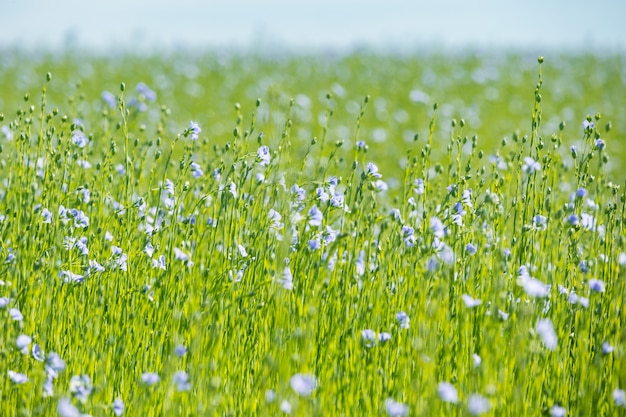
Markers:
(154, 24)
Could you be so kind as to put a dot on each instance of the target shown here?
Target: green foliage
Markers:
(281, 238)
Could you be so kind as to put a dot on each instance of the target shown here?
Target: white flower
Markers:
(372, 170)
(477, 360)
(263, 155)
(149, 249)
(369, 337)
(477, 404)
(242, 250)
(121, 261)
(299, 193)
(315, 216)
(232, 188)
(545, 329)
(619, 397)
(81, 387)
(381, 185)
(596, 285)
(80, 219)
(150, 378)
(470, 249)
(81, 244)
(540, 222)
(447, 392)
(86, 194)
(467, 198)
(419, 186)
(437, 227)
(181, 380)
(235, 276)
(16, 314)
(64, 213)
(270, 395)
(159, 263)
(303, 384)
(18, 378)
(558, 411)
(533, 287)
(444, 252)
(94, 266)
(194, 130)
(54, 365)
(607, 348)
(285, 407)
(275, 219)
(458, 212)
(396, 409)
(384, 337)
(46, 216)
(287, 280)
(337, 200)
(23, 341)
(83, 164)
(118, 407)
(330, 235)
(321, 194)
(48, 387)
(168, 187)
(588, 222)
(196, 170)
(68, 276)
(8, 135)
(180, 350)
(530, 165)
(79, 139)
(403, 319)
(470, 302)
(65, 408)
(38, 353)
(360, 263)
(179, 255)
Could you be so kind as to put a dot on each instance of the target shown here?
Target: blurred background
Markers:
(151, 25)
(477, 60)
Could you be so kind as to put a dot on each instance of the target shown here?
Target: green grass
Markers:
(262, 285)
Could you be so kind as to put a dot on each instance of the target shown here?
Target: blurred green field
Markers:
(492, 92)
